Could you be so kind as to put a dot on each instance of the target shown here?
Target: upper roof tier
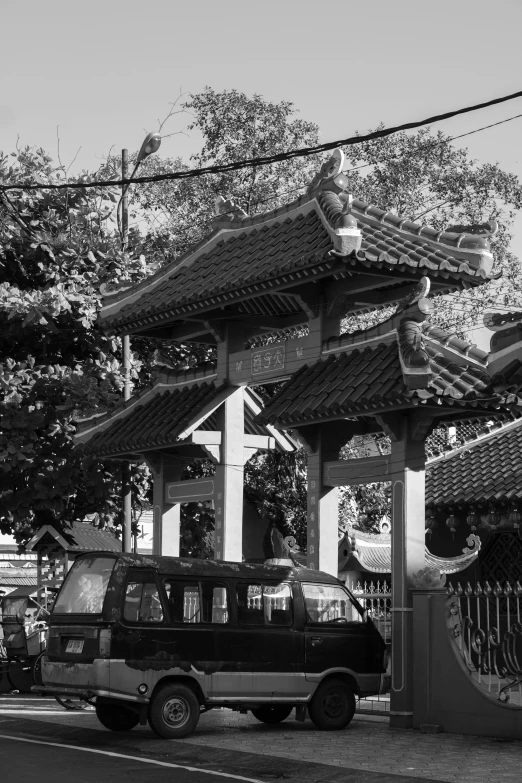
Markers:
(251, 266)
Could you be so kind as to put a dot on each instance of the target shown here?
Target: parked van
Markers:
(164, 639)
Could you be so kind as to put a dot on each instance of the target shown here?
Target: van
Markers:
(163, 639)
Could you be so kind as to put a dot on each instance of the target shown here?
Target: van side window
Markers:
(142, 603)
(259, 604)
(191, 602)
(329, 604)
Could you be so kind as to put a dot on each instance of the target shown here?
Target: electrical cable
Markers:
(269, 159)
(419, 151)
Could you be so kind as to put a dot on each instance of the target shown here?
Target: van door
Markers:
(336, 635)
(262, 649)
(142, 645)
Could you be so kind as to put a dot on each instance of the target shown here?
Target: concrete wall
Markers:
(445, 694)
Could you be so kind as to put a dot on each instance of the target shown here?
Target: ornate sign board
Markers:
(364, 470)
(196, 490)
(271, 363)
(270, 359)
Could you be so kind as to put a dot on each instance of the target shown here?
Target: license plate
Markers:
(74, 646)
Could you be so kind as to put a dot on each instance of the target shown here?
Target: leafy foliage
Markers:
(56, 249)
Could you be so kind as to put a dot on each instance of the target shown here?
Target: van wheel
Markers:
(174, 711)
(332, 706)
(116, 717)
(272, 713)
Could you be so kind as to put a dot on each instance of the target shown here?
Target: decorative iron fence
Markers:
(376, 599)
(486, 626)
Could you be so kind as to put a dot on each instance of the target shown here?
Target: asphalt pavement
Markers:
(41, 741)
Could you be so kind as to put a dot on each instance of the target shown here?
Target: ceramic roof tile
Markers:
(83, 537)
(297, 237)
(484, 470)
(156, 421)
(375, 555)
(372, 376)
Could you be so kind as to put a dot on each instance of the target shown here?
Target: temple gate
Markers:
(307, 264)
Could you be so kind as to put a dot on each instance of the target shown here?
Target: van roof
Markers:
(219, 568)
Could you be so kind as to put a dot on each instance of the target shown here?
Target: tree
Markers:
(56, 249)
(233, 127)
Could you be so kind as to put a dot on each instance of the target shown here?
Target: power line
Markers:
(269, 159)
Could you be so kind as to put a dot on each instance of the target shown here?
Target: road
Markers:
(41, 741)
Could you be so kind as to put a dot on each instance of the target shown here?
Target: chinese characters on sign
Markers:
(219, 526)
(269, 359)
(312, 520)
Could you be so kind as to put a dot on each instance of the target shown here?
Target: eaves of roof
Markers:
(396, 370)
(487, 469)
(248, 256)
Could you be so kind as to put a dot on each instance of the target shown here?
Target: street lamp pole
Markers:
(151, 144)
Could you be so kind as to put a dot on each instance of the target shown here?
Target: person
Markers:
(86, 596)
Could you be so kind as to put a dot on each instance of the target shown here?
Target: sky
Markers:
(105, 72)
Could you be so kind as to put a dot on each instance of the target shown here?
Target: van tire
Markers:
(174, 711)
(332, 706)
(272, 713)
(116, 717)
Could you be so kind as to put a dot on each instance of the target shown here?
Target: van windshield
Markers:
(84, 589)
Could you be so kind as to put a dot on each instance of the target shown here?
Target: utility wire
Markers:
(267, 160)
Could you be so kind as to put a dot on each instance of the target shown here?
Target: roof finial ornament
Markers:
(330, 176)
(348, 236)
(226, 208)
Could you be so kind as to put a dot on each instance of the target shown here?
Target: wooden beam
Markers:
(271, 363)
(259, 442)
(365, 470)
(206, 437)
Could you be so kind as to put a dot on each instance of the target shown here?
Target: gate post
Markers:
(228, 502)
(322, 507)
(408, 556)
(166, 516)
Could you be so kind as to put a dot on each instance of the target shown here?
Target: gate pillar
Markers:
(166, 516)
(322, 505)
(408, 556)
(228, 499)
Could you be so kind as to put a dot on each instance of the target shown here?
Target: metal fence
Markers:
(486, 626)
(375, 597)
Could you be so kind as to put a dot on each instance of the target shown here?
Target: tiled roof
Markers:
(18, 581)
(373, 554)
(150, 420)
(161, 415)
(248, 256)
(483, 470)
(81, 537)
(372, 377)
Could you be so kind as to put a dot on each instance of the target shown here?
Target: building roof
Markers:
(78, 537)
(164, 416)
(18, 581)
(483, 470)
(24, 592)
(372, 553)
(398, 364)
(246, 260)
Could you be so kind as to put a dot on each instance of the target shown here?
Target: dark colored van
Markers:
(162, 639)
